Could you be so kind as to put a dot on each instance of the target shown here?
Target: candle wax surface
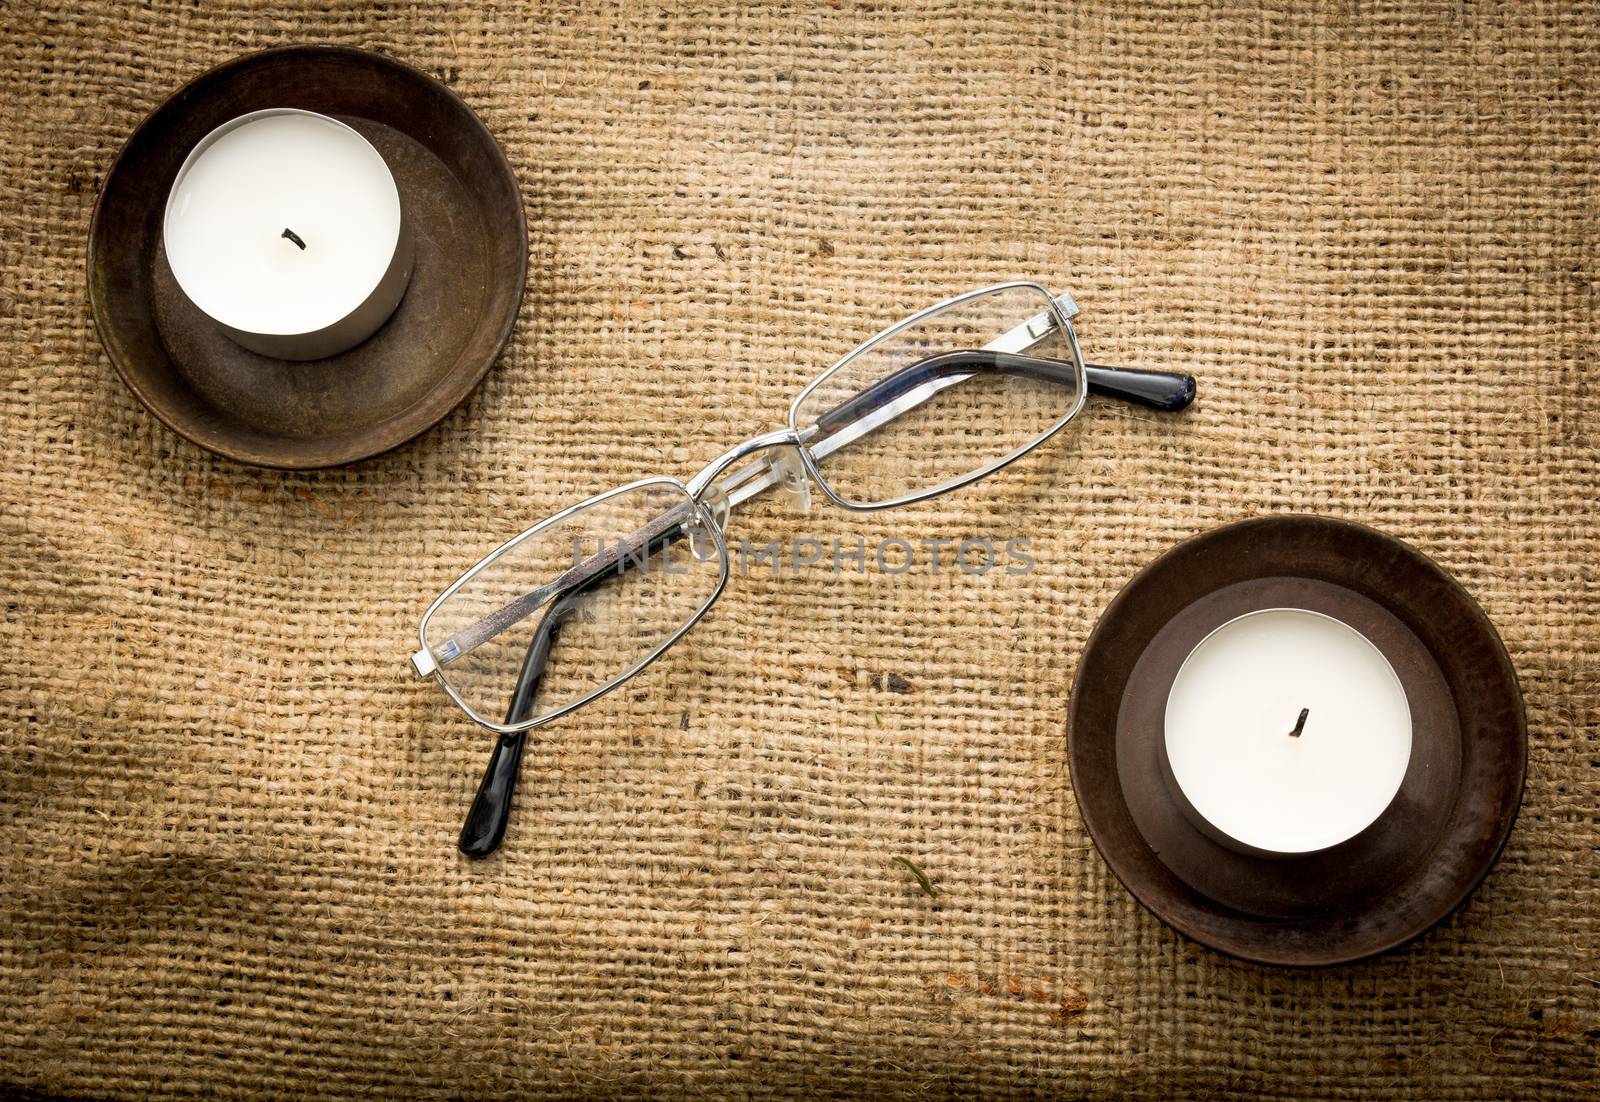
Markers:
(1237, 698)
(298, 171)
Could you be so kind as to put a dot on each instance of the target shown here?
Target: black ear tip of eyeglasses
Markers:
(1183, 396)
(485, 827)
(1168, 391)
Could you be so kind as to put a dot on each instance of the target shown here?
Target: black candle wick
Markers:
(1301, 725)
(292, 236)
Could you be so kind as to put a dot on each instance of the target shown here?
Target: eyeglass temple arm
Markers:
(485, 827)
(1164, 390)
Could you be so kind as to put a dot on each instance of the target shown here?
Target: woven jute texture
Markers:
(228, 815)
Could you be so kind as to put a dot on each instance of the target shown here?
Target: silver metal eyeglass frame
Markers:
(709, 497)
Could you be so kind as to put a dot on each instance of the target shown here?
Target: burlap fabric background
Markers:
(227, 814)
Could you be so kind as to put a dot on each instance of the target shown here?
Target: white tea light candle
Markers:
(286, 228)
(1287, 731)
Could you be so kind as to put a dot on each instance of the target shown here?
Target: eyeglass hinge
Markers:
(1068, 308)
(424, 663)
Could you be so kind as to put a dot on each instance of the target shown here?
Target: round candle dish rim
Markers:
(1284, 545)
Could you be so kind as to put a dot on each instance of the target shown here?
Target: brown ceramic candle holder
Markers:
(1418, 861)
(464, 210)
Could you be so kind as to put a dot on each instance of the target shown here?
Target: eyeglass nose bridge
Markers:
(777, 438)
(785, 470)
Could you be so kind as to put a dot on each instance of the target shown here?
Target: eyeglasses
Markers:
(586, 599)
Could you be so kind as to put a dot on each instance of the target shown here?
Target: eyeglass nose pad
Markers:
(792, 480)
(702, 541)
